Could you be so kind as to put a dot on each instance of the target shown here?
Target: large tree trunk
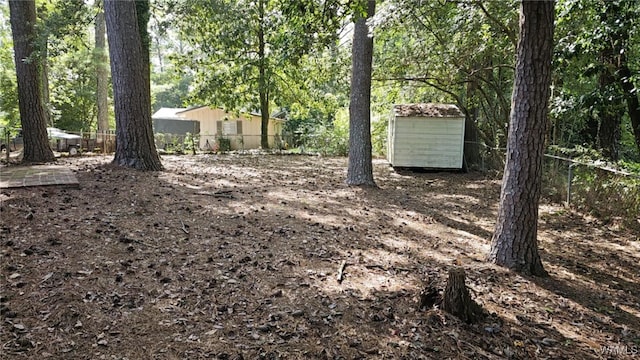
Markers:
(142, 15)
(515, 244)
(102, 86)
(360, 169)
(34, 122)
(134, 134)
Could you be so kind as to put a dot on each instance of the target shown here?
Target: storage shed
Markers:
(166, 121)
(426, 135)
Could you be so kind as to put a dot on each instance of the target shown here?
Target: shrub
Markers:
(331, 139)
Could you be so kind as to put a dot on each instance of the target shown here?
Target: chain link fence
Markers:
(595, 188)
(609, 194)
(198, 143)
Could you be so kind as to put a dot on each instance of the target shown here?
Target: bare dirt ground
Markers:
(236, 257)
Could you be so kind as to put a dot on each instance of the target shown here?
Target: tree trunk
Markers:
(142, 15)
(360, 168)
(633, 105)
(471, 142)
(515, 244)
(611, 109)
(102, 86)
(44, 77)
(135, 146)
(264, 123)
(614, 46)
(34, 123)
(263, 82)
(457, 301)
(611, 112)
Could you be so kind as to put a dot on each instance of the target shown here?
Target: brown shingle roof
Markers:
(427, 110)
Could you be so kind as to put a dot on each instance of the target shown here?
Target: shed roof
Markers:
(168, 114)
(427, 110)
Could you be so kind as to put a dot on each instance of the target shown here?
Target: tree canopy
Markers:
(273, 55)
(244, 54)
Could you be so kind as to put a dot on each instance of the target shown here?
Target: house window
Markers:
(229, 127)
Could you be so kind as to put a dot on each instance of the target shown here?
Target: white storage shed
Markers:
(426, 136)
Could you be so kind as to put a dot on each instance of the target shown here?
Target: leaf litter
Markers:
(274, 257)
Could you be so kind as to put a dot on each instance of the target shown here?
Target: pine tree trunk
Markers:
(34, 122)
(142, 15)
(263, 81)
(515, 244)
(102, 86)
(360, 168)
(135, 146)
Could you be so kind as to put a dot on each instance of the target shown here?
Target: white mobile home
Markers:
(426, 135)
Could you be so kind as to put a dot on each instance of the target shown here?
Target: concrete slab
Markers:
(36, 175)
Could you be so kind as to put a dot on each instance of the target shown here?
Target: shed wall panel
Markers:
(426, 142)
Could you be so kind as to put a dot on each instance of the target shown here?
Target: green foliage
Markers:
(243, 51)
(379, 135)
(176, 144)
(607, 195)
(224, 144)
(9, 113)
(459, 52)
(73, 90)
(142, 11)
(68, 63)
(606, 190)
(160, 139)
(331, 138)
(168, 90)
(596, 42)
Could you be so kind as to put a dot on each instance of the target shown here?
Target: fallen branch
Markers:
(384, 268)
(184, 228)
(376, 266)
(227, 194)
(341, 270)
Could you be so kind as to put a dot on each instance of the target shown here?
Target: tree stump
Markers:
(457, 301)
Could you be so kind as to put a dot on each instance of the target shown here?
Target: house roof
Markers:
(169, 114)
(184, 111)
(427, 110)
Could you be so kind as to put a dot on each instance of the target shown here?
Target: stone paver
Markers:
(36, 175)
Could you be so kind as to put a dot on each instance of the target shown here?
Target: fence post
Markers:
(7, 144)
(569, 180)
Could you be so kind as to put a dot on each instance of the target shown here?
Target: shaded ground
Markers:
(231, 257)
